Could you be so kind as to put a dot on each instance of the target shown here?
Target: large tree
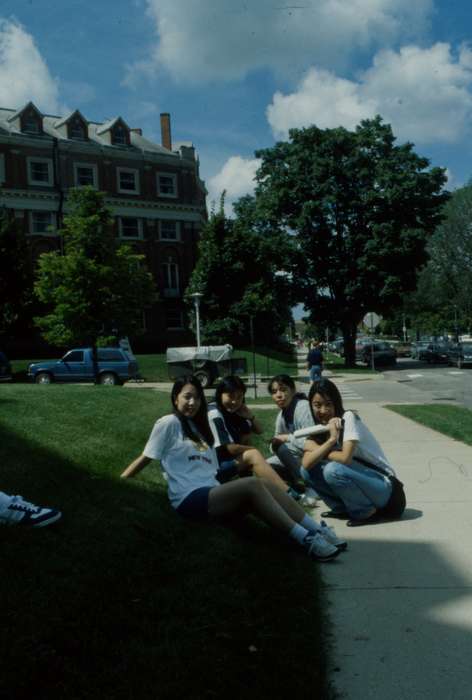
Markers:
(96, 289)
(16, 278)
(362, 209)
(240, 274)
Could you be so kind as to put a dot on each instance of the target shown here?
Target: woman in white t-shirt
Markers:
(183, 442)
(336, 463)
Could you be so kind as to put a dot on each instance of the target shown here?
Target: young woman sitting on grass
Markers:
(183, 442)
(340, 464)
(231, 423)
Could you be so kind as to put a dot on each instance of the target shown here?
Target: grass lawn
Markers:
(123, 599)
(454, 421)
(336, 364)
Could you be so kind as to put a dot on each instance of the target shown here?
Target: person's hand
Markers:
(244, 412)
(277, 441)
(334, 425)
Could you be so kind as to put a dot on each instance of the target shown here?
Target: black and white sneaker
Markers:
(329, 534)
(21, 512)
(320, 549)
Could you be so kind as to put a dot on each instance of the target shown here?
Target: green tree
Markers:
(96, 290)
(240, 274)
(362, 209)
(16, 278)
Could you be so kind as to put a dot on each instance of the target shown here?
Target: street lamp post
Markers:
(196, 296)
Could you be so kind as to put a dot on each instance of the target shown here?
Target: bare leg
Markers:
(252, 459)
(286, 502)
(253, 496)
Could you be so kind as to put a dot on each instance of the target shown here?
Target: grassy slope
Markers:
(454, 421)
(124, 599)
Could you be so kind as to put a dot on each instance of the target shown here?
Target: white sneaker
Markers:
(330, 536)
(306, 501)
(21, 512)
(320, 549)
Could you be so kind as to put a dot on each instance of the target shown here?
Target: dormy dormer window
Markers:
(120, 135)
(77, 129)
(31, 122)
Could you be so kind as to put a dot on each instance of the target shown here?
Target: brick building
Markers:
(153, 191)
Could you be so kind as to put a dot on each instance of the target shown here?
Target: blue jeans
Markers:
(315, 373)
(355, 489)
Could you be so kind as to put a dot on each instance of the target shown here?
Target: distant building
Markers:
(154, 192)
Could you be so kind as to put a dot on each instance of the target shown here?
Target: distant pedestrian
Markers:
(314, 361)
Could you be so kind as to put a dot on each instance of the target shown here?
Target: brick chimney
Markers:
(166, 138)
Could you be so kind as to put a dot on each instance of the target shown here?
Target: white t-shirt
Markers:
(367, 446)
(188, 465)
(218, 426)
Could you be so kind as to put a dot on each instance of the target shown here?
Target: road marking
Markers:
(455, 373)
(414, 376)
(348, 393)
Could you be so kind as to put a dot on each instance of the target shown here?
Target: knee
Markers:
(334, 473)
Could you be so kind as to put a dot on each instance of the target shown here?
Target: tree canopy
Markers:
(362, 210)
(16, 279)
(97, 289)
(239, 273)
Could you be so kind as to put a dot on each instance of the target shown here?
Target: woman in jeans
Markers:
(336, 463)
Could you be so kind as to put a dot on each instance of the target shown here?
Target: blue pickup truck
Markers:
(114, 366)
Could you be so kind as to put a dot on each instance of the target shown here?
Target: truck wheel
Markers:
(108, 378)
(204, 378)
(43, 378)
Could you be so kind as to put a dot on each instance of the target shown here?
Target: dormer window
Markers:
(31, 122)
(120, 135)
(77, 130)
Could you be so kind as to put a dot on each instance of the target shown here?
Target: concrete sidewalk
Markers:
(401, 596)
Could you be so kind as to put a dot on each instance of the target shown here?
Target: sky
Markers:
(235, 75)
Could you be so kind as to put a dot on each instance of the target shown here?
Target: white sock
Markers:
(298, 533)
(310, 525)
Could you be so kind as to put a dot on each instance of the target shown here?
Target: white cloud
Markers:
(236, 178)
(426, 94)
(226, 39)
(24, 75)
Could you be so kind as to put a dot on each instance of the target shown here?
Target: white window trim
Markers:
(92, 166)
(39, 183)
(46, 233)
(130, 238)
(136, 180)
(173, 176)
(2, 168)
(177, 277)
(177, 231)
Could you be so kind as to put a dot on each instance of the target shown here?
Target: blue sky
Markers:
(237, 74)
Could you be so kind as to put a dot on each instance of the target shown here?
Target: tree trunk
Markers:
(349, 329)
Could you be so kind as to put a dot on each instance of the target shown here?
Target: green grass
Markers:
(123, 599)
(454, 421)
(336, 364)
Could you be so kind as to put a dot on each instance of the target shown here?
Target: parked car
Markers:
(206, 362)
(5, 368)
(402, 347)
(435, 353)
(418, 347)
(460, 354)
(384, 354)
(115, 366)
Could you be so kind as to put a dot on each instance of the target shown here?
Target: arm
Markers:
(135, 467)
(314, 453)
(244, 412)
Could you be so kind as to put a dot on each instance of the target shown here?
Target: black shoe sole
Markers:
(342, 515)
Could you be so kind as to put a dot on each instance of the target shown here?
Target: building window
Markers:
(77, 130)
(170, 273)
(130, 227)
(31, 123)
(119, 135)
(2, 168)
(40, 171)
(42, 222)
(169, 230)
(85, 174)
(174, 320)
(166, 185)
(128, 180)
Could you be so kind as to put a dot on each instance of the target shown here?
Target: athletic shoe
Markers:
(306, 501)
(320, 549)
(20, 512)
(330, 536)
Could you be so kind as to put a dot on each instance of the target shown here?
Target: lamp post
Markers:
(196, 296)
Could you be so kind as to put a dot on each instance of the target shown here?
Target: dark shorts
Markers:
(227, 470)
(195, 505)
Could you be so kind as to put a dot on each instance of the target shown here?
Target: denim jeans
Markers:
(355, 489)
(315, 373)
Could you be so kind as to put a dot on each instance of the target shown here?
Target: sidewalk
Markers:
(400, 599)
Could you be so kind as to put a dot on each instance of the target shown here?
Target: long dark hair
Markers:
(200, 419)
(328, 391)
(237, 425)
